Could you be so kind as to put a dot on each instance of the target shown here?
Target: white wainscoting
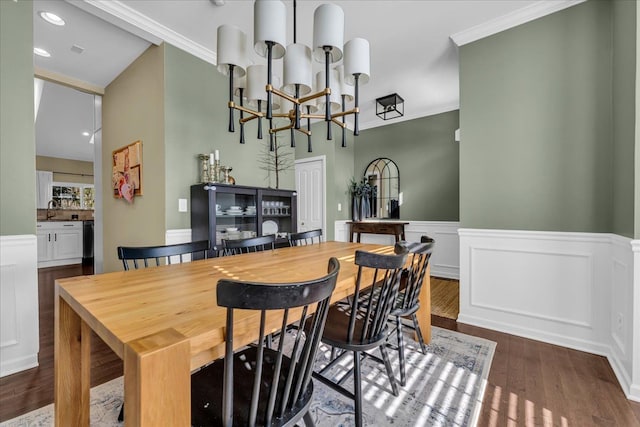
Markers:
(635, 332)
(19, 339)
(445, 261)
(173, 237)
(569, 289)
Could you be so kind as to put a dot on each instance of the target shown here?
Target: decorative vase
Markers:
(355, 208)
(363, 207)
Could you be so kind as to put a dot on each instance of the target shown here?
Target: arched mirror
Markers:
(383, 175)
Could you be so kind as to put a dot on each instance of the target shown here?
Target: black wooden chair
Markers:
(138, 254)
(407, 303)
(305, 237)
(356, 329)
(252, 244)
(259, 385)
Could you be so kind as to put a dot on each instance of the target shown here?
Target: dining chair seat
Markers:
(258, 385)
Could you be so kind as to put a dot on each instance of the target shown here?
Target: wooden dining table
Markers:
(163, 322)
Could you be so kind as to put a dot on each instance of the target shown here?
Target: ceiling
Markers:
(412, 52)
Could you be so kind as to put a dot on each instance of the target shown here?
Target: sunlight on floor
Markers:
(531, 419)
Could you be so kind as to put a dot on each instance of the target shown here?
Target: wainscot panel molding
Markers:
(173, 237)
(571, 289)
(445, 261)
(19, 339)
(635, 331)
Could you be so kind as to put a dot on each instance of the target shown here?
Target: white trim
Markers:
(510, 20)
(119, 14)
(19, 324)
(431, 111)
(521, 282)
(176, 236)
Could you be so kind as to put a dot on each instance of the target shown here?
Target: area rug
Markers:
(445, 387)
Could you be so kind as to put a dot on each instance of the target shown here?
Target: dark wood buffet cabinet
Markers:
(221, 211)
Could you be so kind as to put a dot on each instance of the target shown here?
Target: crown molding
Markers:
(439, 109)
(510, 20)
(117, 13)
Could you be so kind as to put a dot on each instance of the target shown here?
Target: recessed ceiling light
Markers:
(41, 52)
(85, 133)
(51, 18)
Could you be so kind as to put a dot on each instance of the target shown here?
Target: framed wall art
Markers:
(127, 171)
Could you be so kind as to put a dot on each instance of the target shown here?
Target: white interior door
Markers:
(310, 186)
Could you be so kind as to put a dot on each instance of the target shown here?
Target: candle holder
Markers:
(209, 172)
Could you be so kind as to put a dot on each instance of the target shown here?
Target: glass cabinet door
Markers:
(235, 215)
(277, 213)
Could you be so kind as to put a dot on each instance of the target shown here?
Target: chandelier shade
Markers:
(328, 32)
(269, 25)
(297, 69)
(232, 44)
(334, 83)
(356, 60)
(256, 76)
(258, 84)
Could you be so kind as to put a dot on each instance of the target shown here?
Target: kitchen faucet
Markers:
(52, 205)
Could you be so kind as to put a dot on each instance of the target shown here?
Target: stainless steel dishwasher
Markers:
(87, 242)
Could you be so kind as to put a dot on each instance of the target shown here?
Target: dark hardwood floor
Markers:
(32, 389)
(530, 383)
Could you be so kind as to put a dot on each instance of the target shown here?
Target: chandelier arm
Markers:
(276, 130)
(241, 91)
(260, 119)
(247, 119)
(231, 67)
(327, 116)
(269, 79)
(309, 149)
(271, 136)
(297, 109)
(284, 95)
(339, 123)
(315, 96)
(356, 130)
(344, 133)
(344, 113)
(312, 116)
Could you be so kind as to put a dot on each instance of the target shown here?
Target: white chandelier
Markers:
(334, 86)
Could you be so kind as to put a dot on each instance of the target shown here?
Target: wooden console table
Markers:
(394, 228)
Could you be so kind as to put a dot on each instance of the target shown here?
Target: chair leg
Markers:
(387, 365)
(416, 325)
(308, 420)
(357, 388)
(403, 374)
(121, 416)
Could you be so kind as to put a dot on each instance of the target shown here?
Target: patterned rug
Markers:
(445, 387)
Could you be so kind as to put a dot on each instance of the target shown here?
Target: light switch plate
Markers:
(339, 207)
(182, 205)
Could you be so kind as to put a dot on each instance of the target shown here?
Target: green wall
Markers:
(427, 157)
(132, 110)
(17, 135)
(624, 116)
(637, 137)
(196, 122)
(535, 120)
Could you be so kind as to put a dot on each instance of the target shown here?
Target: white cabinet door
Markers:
(67, 243)
(45, 245)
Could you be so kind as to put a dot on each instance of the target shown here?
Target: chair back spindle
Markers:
(305, 237)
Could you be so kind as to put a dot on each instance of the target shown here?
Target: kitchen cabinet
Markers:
(59, 243)
(220, 211)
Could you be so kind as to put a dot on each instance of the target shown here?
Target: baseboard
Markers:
(18, 364)
(59, 262)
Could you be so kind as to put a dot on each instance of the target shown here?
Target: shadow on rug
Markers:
(445, 387)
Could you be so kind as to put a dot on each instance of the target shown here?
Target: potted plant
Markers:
(361, 192)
